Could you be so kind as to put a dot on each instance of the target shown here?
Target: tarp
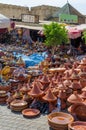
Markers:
(4, 22)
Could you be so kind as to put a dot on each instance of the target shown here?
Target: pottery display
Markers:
(30, 112)
(59, 120)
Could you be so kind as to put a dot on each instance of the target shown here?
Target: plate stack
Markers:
(18, 105)
(3, 97)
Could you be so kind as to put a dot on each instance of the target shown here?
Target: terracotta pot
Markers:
(5, 88)
(49, 96)
(83, 82)
(83, 95)
(79, 109)
(18, 105)
(30, 112)
(35, 91)
(77, 125)
(74, 98)
(59, 120)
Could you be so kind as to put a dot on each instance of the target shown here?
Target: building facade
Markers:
(13, 11)
(44, 12)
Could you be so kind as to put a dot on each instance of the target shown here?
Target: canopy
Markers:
(73, 32)
(81, 27)
(29, 27)
(4, 22)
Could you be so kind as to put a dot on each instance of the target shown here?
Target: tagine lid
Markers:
(82, 74)
(84, 89)
(83, 61)
(75, 76)
(67, 76)
(35, 91)
(20, 61)
(83, 95)
(75, 86)
(62, 94)
(79, 125)
(24, 89)
(49, 96)
(44, 79)
(74, 98)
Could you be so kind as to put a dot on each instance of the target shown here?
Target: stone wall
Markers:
(44, 11)
(13, 11)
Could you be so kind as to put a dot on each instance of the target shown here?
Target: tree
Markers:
(84, 36)
(55, 34)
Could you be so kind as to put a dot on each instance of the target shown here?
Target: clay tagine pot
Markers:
(75, 86)
(24, 89)
(82, 74)
(77, 125)
(17, 95)
(62, 94)
(20, 62)
(35, 91)
(51, 99)
(49, 96)
(18, 105)
(83, 62)
(79, 109)
(74, 98)
(45, 80)
(83, 95)
(29, 113)
(59, 120)
(74, 77)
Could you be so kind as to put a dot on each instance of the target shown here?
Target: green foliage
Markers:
(55, 34)
(84, 36)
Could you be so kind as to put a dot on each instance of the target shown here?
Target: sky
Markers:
(80, 5)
